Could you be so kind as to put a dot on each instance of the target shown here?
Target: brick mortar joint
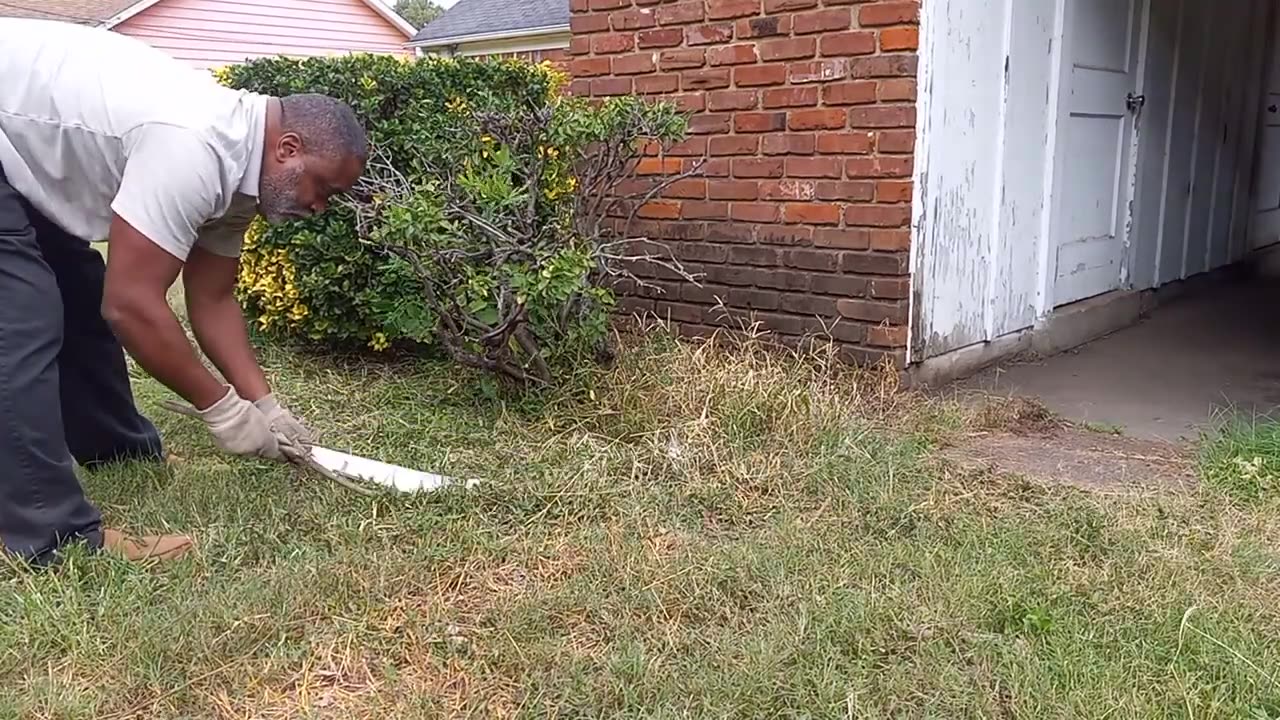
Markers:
(883, 62)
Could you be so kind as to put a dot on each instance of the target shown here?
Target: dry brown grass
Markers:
(706, 530)
(1018, 415)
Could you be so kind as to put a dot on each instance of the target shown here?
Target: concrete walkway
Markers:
(1169, 377)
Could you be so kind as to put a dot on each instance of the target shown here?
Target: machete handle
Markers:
(179, 408)
(293, 456)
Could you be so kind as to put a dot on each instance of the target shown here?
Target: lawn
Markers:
(696, 533)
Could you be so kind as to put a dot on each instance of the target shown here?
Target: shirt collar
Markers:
(252, 180)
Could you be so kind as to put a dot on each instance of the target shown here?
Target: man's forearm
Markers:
(152, 335)
(219, 327)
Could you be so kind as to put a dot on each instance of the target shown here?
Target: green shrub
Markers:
(488, 221)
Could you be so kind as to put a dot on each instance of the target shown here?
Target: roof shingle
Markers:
(85, 12)
(487, 17)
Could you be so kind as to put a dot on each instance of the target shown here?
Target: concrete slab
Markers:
(1170, 376)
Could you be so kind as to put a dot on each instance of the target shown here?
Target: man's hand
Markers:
(218, 322)
(240, 428)
(288, 429)
(139, 274)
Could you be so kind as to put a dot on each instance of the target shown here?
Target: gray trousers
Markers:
(64, 385)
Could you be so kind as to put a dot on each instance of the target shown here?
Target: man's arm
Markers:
(218, 321)
(139, 274)
(170, 188)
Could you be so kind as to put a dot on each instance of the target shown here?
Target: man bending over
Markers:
(104, 138)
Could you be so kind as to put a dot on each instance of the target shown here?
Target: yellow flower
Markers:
(379, 342)
(222, 74)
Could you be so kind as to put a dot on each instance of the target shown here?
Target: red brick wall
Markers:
(806, 111)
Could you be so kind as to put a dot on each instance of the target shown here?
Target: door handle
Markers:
(1135, 102)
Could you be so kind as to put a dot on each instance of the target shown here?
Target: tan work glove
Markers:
(284, 424)
(290, 432)
(240, 428)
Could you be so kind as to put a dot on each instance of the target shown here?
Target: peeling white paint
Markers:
(797, 189)
(986, 76)
(993, 157)
(1093, 176)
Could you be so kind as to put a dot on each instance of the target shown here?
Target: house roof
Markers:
(476, 19)
(110, 13)
(85, 12)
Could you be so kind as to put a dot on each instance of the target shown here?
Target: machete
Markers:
(349, 470)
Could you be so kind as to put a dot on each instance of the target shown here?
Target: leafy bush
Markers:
(489, 220)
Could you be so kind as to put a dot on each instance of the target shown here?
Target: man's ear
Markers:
(289, 146)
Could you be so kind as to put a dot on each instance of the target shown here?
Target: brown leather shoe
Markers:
(139, 549)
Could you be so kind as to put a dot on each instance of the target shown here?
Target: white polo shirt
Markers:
(93, 122)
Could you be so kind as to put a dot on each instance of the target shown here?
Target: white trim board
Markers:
(500, 47)
(390, 15)
(128, 12)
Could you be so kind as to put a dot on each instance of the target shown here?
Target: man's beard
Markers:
(278, 200)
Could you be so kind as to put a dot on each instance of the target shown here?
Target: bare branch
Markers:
(530, 347)
(657, 190)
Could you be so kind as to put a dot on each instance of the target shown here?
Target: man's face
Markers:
(296, 185)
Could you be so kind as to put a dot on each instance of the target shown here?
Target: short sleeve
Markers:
(222, 240)
(171, 187)
(225, 236)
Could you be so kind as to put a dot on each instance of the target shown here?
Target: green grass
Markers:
(1242, 460)
(697, 533)
(1103, 428)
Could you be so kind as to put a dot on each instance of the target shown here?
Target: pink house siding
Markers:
(212, 33)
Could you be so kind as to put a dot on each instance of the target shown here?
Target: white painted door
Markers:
(1266, 200)
(1093, 176)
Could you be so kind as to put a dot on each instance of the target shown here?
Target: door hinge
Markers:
(1135, 102)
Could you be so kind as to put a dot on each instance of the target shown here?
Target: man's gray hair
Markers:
(328, 127)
